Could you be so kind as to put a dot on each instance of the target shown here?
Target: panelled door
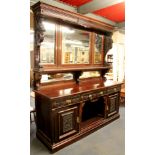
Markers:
(112, 104)
(66, 122)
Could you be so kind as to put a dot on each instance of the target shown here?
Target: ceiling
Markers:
(76, 3)
(109, 11)
(115, 12)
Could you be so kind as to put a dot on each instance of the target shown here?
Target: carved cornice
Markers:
(71, 17)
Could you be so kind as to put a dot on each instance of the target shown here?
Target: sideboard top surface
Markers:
(71, 89)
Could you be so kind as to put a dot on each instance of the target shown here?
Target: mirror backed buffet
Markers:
(72, 96)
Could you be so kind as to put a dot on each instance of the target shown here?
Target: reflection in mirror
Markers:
(90, 74)
(98, 49)
(47, 48)
(75, 46)
(56, 77)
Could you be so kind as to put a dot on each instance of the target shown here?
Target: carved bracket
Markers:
(76, 76)
(103, 72)
(39, 36)
(36, 82)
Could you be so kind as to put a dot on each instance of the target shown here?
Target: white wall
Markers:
(118, 51)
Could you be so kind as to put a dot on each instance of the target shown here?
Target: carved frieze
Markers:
(112, 104)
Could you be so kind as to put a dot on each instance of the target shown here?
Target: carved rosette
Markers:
(112, 105)
(107, 46)
(39, 36)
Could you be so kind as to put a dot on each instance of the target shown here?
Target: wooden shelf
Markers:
(65, 70)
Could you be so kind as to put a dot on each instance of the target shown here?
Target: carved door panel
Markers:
(112, 104)
(67, 122)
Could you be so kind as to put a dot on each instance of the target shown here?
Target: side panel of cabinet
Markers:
(112, 104)
(66, 122)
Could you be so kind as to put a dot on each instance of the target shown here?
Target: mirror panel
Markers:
(75, 46)
(89, 74)
(56, 77)
(98, 49)
(47, 48)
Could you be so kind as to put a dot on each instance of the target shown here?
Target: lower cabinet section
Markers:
(66, 122)
(63, 121)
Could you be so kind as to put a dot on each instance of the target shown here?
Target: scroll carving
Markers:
(67, 122)
(39, 37)
(39, 29)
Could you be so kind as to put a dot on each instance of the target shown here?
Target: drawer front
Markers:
(93, 95)
(113, 90)
(70, 100)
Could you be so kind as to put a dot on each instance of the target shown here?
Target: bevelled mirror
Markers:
(75, 46)
(45, 78)
(90, 74)
(98, 49)
(47, 48)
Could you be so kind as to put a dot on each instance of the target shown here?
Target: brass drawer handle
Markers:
(68, 101)
(101, 93)
(90, 96)
(115, 89)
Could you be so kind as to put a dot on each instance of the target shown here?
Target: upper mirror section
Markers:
(47, 48)
(98, 49)
(75, 46)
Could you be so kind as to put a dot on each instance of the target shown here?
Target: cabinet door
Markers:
(67, 122)
(112, 104)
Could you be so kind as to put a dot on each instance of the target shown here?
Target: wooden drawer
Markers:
(113, 90)
(70, 100)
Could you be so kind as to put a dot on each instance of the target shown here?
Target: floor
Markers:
(109, 140)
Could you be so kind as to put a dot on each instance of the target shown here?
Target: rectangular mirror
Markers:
(75, 46)
(47, 48)
(90, 74)
(45, 78)
(98, 49)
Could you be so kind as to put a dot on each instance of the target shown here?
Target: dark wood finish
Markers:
(66, 111)
(70, 105)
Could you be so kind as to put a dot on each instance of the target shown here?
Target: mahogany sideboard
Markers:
(72, 96)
